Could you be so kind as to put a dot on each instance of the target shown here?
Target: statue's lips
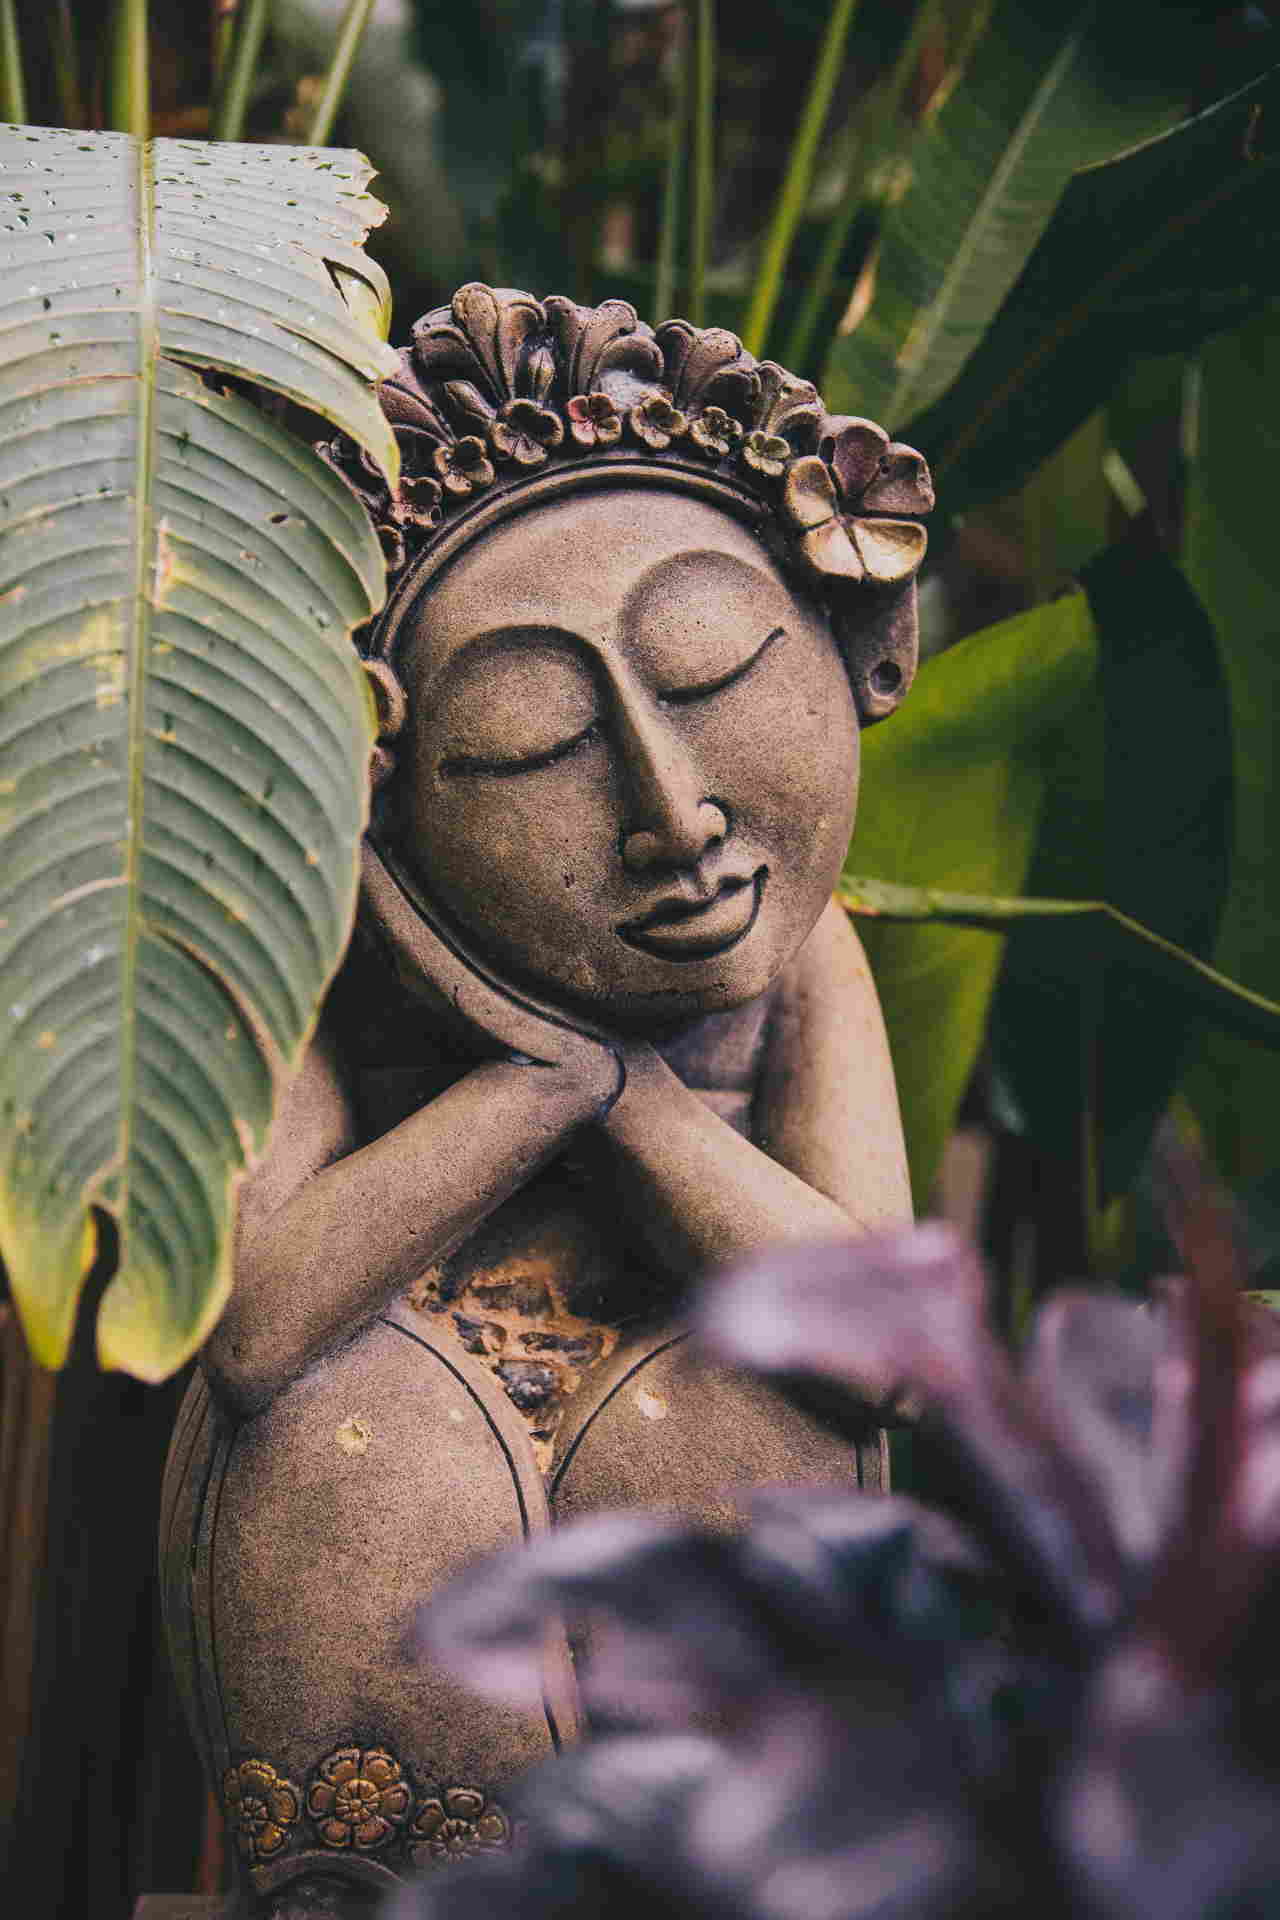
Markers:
(699, 929)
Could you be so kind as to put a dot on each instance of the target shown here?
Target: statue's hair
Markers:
(503, 400)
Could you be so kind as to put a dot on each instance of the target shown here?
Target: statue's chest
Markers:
(541, 1291)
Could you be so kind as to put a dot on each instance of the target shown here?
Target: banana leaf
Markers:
(1150, 254)
(183, 724)
(1050, 88)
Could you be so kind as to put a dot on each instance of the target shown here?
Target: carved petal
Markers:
(464, 1803)
(856, 447)
(393, 1801)
(497, 326)
(788, 406)
(890, 550)
(343, 1764)
(282, 1799)
(809, 497)
(380, 1767)
(320, 1799)
(901, 484)
(372, 1832)
(493, 1828)
(271, 1838)
(336, 1833)
(429, 1816)
(696, 360)
(605, 347)
(830, 552)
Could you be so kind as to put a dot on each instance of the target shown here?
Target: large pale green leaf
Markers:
(1050, 87)
(183, 723)
(1233, 558)
(951, 794)
(1150, 254)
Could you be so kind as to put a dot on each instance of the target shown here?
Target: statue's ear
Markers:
(877, 631)
(388, 698)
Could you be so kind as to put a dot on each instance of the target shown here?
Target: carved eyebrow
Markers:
(677, 696)
(469, 764)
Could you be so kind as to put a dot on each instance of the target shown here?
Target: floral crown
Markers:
(499, 390)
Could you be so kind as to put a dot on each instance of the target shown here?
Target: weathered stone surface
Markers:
(600, 1031)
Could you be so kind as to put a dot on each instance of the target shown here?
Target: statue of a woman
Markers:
(601, 1029)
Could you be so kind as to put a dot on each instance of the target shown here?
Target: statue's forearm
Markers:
(701, 1195)
(329, 1258)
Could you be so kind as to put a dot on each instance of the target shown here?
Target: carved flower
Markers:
(768, 453)
(260, 1808)
(456, 1824)
(655, 421)
(837, 546)
(358, 1799)
(525, 432)
(465, 466)
(716, 432)
(392, 545)
(418, 500)
(594, 421)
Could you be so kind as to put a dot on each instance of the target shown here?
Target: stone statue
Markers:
(600, 1030)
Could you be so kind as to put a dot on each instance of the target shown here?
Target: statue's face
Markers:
(631, 757)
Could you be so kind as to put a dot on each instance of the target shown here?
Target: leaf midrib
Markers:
(1101, 289)
(932, 314)
(138, 639)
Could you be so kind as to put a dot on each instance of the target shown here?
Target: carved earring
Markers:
(388, 698)
(881, 648)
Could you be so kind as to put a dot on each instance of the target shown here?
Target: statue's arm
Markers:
(826, 1104)
(328, 1233)
(832, 1158)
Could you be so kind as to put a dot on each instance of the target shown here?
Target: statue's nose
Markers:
(671, 819)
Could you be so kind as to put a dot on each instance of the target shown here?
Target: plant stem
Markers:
(233, 96)
(795, 186)
(879, 116)
(664, 291)
(128, 79)
(354, 22)
(703, 158)
(223, 33)
(13, 95)
(66, 65)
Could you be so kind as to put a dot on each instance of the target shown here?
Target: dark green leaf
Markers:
(1149, 254)
(1139, 815)
(1045, 92)
(1233, 558)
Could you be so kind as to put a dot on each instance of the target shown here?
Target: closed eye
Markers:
(681, 696)
(476, 764)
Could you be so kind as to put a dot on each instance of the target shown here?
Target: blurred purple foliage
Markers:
(856, 1707)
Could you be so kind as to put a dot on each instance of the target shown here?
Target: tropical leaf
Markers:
(1150, 254)
(1140, 815)
(1045, 92)
(1102, 928)
(184, 726)
(951, 795)
(1233, 560)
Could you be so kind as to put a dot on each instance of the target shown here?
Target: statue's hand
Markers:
(432, 964)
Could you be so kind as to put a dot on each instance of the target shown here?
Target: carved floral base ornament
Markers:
(599, 1031)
